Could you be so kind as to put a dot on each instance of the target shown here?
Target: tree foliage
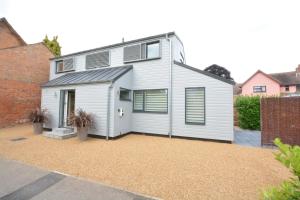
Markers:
(53, 45)
(289, 156)
(219, 71)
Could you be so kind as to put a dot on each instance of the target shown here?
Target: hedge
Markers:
(248, 108)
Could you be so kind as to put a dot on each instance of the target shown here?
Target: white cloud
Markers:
(240, 35)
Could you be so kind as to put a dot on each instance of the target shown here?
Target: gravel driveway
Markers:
(154, 166)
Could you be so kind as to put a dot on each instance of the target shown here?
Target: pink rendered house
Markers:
(284, 84)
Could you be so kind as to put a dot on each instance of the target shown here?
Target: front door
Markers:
(67, 107)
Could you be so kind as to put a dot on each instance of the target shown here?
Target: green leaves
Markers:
(289, 156)
(53, 45)
(248, 108)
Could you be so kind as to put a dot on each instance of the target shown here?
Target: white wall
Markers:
(122, 124)
(218, 100)
(92, 98)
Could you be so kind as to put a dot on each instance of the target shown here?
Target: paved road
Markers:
(20, 182)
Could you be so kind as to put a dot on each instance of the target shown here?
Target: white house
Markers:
(143, 86)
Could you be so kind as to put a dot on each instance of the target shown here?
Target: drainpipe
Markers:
(170, 87)
(108, 110)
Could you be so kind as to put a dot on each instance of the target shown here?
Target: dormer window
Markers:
(65, 65)
(141, 52)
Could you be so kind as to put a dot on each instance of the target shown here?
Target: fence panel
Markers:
(280, 117)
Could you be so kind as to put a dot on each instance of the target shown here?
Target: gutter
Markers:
(170, 92)
(108, 109)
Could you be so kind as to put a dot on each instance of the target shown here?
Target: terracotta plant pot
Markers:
(82, 133)
(37, 128)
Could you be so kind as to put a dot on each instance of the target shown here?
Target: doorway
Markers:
(67, 107)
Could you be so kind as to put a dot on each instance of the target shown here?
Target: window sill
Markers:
(193, 123)
(65, 71)
(150, 112)
(128, 100)
(142, 60)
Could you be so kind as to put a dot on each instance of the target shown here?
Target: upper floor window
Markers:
(152, 50)
(142, 51)
(65, 65)
(258, 89)
(100, 59)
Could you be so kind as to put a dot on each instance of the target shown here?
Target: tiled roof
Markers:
(287, 78)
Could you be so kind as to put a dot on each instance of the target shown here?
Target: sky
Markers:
(240, 35)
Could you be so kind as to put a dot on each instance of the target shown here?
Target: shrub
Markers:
(248, 108)
(81, 119)
(38, 116)
(289, 156)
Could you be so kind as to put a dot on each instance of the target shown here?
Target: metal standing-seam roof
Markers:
(89, 76)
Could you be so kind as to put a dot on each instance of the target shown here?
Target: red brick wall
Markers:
(280, 117)
(8, 38)
(22, 71)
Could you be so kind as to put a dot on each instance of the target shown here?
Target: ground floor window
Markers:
(195, 105)
(125, 94)
(155, 100)
(257, 89)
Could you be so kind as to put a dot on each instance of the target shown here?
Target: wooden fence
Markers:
(280, 117)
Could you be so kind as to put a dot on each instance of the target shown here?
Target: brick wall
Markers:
(7, 37)
(22, 71)
(280, 117)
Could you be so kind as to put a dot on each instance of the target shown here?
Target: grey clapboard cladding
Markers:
(100, 59)
(89, 76)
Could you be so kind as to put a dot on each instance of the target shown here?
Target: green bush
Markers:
(248, 108)
(288, 190)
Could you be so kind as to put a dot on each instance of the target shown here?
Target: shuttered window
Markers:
(95, 60)
(65, 65)
(151, 101)
(195, 105)
(132, 53)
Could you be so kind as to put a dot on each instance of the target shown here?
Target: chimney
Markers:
(298, 71)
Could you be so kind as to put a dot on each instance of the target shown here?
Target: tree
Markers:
(219, 71)
(53, 45)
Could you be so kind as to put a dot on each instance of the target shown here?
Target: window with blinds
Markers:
(96, 60)
(195, 105)
(65, 65)
(151, 101)
(142, 51)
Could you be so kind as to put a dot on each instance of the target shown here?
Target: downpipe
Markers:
(170, 87)
(108, 110)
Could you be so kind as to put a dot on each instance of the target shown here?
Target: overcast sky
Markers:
(242, 36)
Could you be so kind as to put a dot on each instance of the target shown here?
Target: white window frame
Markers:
(256, 89)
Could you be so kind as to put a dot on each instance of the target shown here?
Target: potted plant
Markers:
(38, 117)
(82, 121)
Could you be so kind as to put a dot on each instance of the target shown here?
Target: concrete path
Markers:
(20, 182)
(247, 137)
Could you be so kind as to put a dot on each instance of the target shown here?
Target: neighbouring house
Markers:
(143, 86)
(23, 68)
(283, 84)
